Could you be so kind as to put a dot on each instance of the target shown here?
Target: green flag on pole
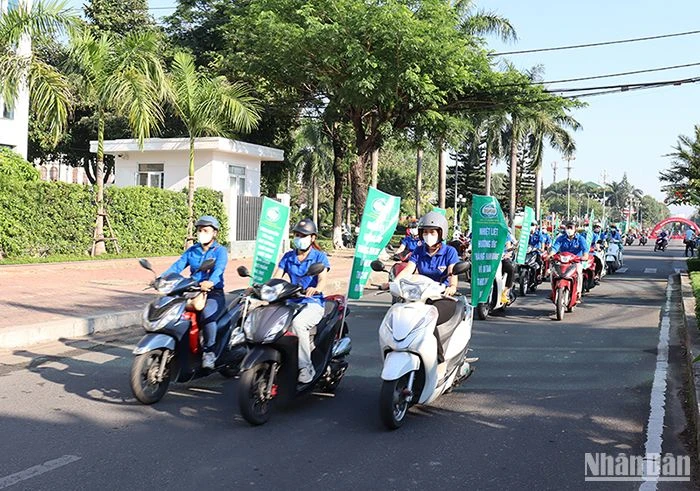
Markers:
(525, 235)
(441, 211)
(589, 229)
(273, 221)
(379, 219)
(489, 234)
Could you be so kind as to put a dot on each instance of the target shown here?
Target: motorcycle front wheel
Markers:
(144, 372)
(523, 284)
(561, 302)
(393, 405)
(482, 311)
(252, 394)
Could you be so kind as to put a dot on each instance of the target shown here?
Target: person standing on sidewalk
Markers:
(295, 264)
(211, 281)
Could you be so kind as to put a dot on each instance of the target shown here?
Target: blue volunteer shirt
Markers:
(435, 266)
(689, 234)
(546, 239)
(595, 238)
(296, 270)
(410, 243)
(575, 245)
(614, 235)
(195, 256)
(536, 239)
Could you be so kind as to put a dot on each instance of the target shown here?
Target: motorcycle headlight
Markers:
(271, 293)
(411, 291)
(166, 286)
(172, 314)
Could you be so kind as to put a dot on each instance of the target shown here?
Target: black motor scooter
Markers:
(529, 272)
(271, 367)
(172, 348)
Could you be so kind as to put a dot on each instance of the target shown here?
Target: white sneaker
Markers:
(306, 375)
(208, 360)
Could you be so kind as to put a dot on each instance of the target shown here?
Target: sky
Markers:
(621, 133)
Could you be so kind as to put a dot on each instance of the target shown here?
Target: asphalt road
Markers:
(544, 393)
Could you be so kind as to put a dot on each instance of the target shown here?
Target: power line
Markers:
(629, 85)
(590, 45)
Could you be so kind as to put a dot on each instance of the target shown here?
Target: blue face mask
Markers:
(302, 243)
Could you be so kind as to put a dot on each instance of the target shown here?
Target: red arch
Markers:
(666, 221)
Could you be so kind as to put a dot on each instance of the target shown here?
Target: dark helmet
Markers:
(433, 221)
(613, 226)
(533, 224)
(208, 221)
(413, 224)
(570, 224)
(306, 226)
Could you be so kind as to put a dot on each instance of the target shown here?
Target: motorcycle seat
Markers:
(449, 318)
(329, 308)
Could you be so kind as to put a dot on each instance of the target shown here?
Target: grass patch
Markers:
(695, 282)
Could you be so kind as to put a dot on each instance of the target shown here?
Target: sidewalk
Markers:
(44, 302)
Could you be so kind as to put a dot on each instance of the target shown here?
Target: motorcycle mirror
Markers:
(315, 269)
(207, 265)
(377, 265)
(243, 271)
(145, 264)
(460, 268)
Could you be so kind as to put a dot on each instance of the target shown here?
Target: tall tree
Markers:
(207, 106)
(313, 156)
(123, 76)
(682, 178)
(118, 16)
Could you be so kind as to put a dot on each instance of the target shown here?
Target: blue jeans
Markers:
(216, 302)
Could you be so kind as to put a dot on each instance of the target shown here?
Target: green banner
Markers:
(379, 221)
(489, 234)
(589, 229)
(273, 221)
(525, 235)
(441, 211)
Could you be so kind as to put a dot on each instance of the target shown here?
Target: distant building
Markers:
(14, 118)
(60, 172)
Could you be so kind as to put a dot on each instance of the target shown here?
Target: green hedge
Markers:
(693, 264)
(49, 218)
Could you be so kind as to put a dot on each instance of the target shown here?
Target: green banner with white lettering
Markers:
(525, 235)
(379, 221)
(273, 221)
(489, 234)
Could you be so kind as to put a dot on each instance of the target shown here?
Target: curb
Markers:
(72, 327)
(690, 342)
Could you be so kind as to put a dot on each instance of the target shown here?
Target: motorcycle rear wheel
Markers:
(393, 406)
(561, 302)
(255, 408)
(143, 371)
(482, 311)
(523, 284)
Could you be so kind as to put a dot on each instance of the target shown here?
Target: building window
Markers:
(150, 175)
(236, 180)
(53, 173)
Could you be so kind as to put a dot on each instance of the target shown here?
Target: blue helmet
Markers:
(208, 221)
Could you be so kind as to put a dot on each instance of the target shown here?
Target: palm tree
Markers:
(207, 105)
(683, 177)
(22, 68)
(312, 157)
(122, 75)
(492, 135)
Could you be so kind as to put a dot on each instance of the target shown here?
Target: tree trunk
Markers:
(442, 174)
(100, 183)
(314, 199)
(359, 182)
(348, 204)
(513, 168)
(538, 193)
(190, 198)
(487, 184)
(375, 167)
(338, 181)
(419, 179)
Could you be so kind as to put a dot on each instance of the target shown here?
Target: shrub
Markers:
(693, 264)
(13, 166)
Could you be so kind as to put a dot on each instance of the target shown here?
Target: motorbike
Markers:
(400, 264)
(172, 348)
(613, 257)
(529, 273)
(598, 254)
(629, 240)
(643, 240)
(424, 342)
(661, 244)
(564, 282)
(589, 274)
(495, 303)
(270, 368)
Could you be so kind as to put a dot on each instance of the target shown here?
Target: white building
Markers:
(229, 166)
(14, 119)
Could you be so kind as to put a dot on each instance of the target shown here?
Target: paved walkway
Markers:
(39, 293)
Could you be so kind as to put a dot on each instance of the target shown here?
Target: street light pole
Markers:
(568, 186)
(455, 207)
(605, 176)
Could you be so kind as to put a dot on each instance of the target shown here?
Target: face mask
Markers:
(302, 243)
(431, 239)
(205, 237)
(570, 232)
(532, 230)
(413, 231)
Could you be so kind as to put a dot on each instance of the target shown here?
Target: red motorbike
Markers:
(399, 265)
(564, 282)
(589, 274)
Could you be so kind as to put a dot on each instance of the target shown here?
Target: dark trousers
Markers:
(207, 318)
(509, 269)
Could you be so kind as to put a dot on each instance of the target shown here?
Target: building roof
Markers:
(114, 147)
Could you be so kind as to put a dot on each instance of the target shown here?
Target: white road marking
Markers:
(623, 270)
(649, 270)
(655, 426)
(36, 470)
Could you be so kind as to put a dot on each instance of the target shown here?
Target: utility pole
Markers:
(554, 174)
(568, 186)
(605, 176)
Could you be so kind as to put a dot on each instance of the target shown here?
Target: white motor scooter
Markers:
(613, 256)
(483, 310)
(424, 341)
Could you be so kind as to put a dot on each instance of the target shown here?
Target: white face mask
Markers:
(430, 239)
(205, 237)
(532, 230)
(570, 232)
(413, 231)
(302, 243)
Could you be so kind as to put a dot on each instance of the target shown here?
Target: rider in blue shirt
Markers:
(211, 281)
(434, 258)
(614, 233)
(295, 264)
(536, 239)
(575, 244)
(410, 241)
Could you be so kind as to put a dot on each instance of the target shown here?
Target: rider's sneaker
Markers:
(505, 297)
(306, 375)
(208, 360)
